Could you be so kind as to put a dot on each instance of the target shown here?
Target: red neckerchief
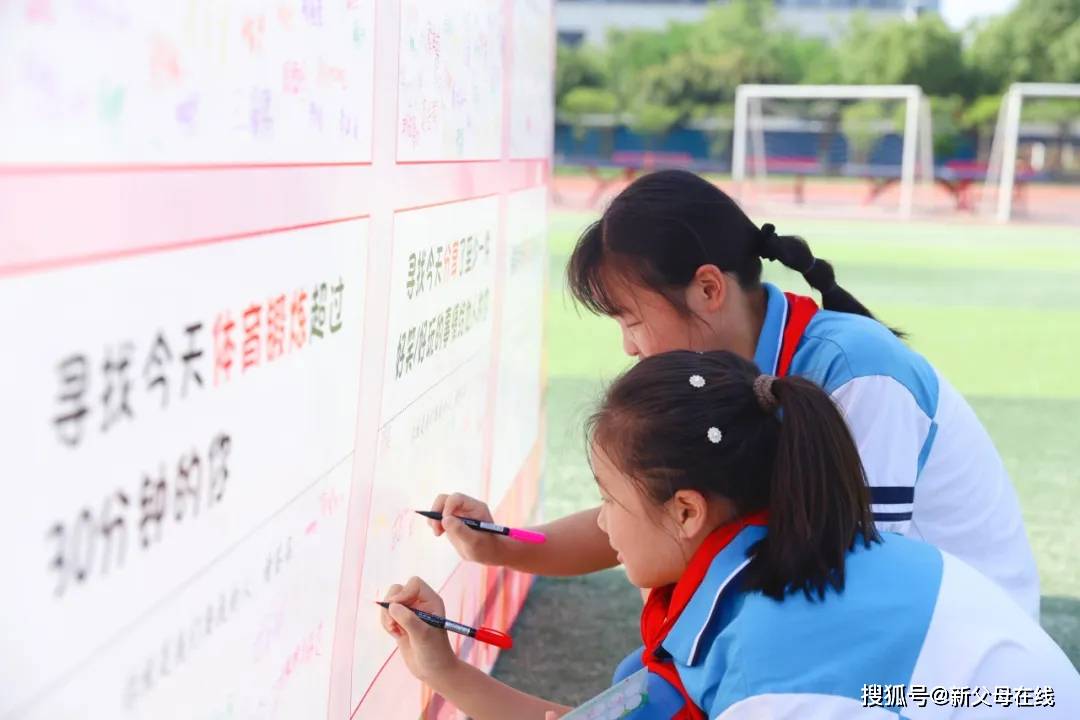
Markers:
(665, 604)
(800, 311)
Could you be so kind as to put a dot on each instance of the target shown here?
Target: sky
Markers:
(958, 13)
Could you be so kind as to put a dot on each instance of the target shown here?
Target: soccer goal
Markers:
(1001, 175)
(879, 134)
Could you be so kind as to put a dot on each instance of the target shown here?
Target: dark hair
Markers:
(665, 225)
(804, 469)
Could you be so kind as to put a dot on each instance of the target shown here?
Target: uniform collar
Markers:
(684, 641)
(770, 340)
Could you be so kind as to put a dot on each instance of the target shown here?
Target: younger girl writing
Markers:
(740, 501)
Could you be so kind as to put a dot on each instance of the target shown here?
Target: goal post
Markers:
(1001, 173)
(917, 149)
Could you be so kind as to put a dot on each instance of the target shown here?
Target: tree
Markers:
(744, 45)
(652, 121)
(683, 82)
(632, 52)
(578, 67)
(590, 101)
(925, 53)
(946, 116)
(735, 44)
(715, 120)
(981, 118)
(1064, 53)
(1036, 42)
(808, 60)
(581, 102)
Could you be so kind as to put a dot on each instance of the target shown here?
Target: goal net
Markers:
(1037, 138)
(831, 146)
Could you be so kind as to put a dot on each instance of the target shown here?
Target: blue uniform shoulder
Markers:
(661, 700)
(872, 632)
(838, 347)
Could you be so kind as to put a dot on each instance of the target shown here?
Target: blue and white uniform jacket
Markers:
(911, 624)
(933, 471)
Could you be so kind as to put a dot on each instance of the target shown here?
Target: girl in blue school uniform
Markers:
(678, 264)
(739, 501)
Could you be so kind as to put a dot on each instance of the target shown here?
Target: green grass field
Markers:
(996, 309)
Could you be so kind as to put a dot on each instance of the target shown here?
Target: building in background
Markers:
(588, 21)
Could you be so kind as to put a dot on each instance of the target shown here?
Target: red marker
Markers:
(523, 535)
(484, 635)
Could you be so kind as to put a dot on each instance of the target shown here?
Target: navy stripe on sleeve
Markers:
(892, 495)
(892, 517)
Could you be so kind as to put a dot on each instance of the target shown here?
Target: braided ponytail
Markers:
(793, 252)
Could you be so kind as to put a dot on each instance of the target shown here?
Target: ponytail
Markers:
(819, 503)
(793, 252)
(712, 423)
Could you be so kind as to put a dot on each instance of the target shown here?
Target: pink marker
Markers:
(523, 535)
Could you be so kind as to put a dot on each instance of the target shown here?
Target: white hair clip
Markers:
(697, 381)
(715, 436)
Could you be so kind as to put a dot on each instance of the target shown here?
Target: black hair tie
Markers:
(766, 242)
(821, 277)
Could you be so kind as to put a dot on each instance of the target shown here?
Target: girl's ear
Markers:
(689, 511)
(707, 290)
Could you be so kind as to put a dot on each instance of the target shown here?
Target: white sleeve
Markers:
(802, 706)
(893, 435)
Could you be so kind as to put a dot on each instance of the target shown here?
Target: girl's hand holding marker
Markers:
(426, 650)
(528, 536)
(481, 547)
(410, 613)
